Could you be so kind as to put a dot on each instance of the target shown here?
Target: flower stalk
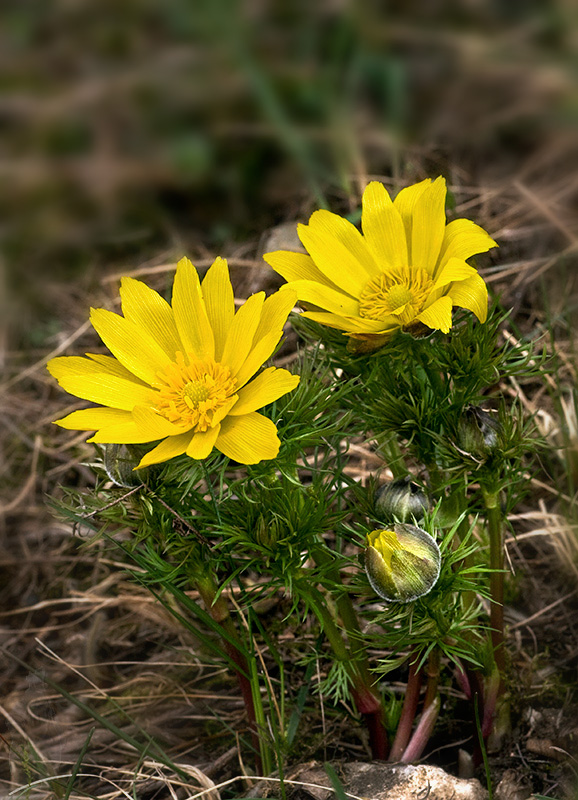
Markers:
(409, 709)
(495, 531)
(364, 696)
(218, 609)
(423, 732)
(431, 708)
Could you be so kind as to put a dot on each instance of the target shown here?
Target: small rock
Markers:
(466, 767)
(281, 237)
(405, 781)
(378, 781)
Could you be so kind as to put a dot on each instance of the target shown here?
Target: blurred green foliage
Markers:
(138, 128)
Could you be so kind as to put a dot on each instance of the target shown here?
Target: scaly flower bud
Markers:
(478, 432)
(401, 499)
(402, 564)
(119, 463)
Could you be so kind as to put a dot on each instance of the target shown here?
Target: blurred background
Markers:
(133, 132)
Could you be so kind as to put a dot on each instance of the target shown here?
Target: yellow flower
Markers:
(182, 372)
(407, 270)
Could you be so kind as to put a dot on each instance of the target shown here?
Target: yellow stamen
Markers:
(402, 293)
(190, 392)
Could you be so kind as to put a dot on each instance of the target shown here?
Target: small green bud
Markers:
(119, 463)
(402, 564)
(478, 432)
(401, 499)
(265, 534)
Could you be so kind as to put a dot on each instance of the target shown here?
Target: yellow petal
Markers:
(453, 270)
(190, 313)
(263, 350)
(296, 267)
(131, 345)
(438, 316)
(271, 384)
(405, 203)
(125, 433)
(324, 297)
(241, 332)
(276, 309)
(336, 261)
(111, 366)
(339, 228)
(463, 239)
(220, 414)
(248, 439)
(91, 419)
(150, 312)
(92, 381)
(270, 329)
(471, 294)
(428, 226)
(202, 444)
(153, 425)
(352, 324)
(219, 302)
(169, 448)
(330, 320)
(383, 227)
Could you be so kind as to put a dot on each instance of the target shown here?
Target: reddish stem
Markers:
(370, 708)
(429, 715)
(220, 614)
(493, 687)
(408, 712)
(422, 733)
(464, 681)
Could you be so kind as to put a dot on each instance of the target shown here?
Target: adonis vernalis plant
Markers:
(187, 376)
(182, 373)
(407, 270)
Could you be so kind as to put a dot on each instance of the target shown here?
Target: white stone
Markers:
(380, 781)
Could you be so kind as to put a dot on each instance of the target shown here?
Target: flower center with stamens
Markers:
(192, 392)
(402, 293)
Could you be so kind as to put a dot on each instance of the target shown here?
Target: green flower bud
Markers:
(119, 463)
(401, 499)
(402, 564)
(478, 432)
(265, 534)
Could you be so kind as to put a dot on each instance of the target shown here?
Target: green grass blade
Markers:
(335, 782)
(78, 764)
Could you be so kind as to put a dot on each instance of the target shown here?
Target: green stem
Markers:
(347, 614)
(367, 702)
(433, 677)
(393, 457)
(496, 716)
(495, 530)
